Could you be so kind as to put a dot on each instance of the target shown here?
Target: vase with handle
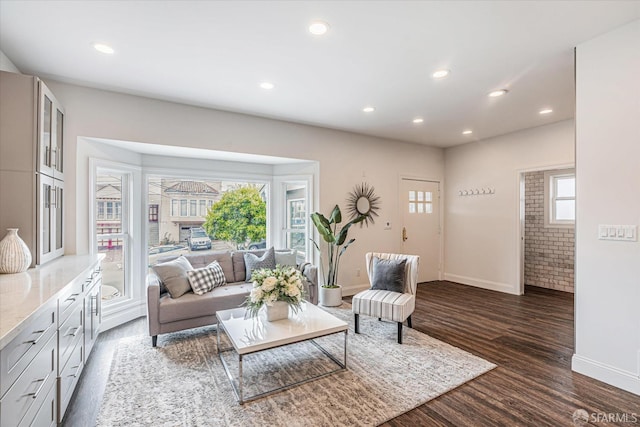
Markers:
(14, 253)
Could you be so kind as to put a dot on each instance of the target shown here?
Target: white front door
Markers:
(420, 207)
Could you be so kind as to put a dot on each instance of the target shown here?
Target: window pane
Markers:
(420, 207)
(420, 196)
(428, 208)
(566, 187)
(193, 208)
(428, 196)
(203, 208)
(412, 208)
(183, 208)
(412, 196)
(565, 210)
(174, 208)
(109, 201)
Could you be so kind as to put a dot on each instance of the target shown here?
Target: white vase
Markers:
(331, 297)
(14, 253)
(278, 311)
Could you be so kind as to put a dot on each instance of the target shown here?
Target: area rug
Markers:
(182, 382)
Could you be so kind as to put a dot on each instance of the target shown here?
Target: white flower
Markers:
(256, 295)
(269, 283)
(269, 300)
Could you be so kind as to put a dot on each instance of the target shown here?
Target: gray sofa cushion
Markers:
(203, 260)
(191, 306)
(238, 263)
(253, 262)
(173, 275)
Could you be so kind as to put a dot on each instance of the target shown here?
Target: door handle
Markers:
(404, 234)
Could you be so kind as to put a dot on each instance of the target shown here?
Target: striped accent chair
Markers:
(388, 305)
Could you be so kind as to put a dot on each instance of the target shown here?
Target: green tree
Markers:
(240, 216)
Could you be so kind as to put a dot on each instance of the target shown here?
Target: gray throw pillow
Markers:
(388, 274)
(173, 275)
(253, 262)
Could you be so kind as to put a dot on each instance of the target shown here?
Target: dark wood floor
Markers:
(529, 337)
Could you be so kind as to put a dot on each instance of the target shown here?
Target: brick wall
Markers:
(548, 252)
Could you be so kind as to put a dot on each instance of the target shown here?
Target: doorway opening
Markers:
(548, 229)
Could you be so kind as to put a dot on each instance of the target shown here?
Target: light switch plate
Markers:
(622, 233)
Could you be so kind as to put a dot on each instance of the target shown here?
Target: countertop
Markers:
(22, 294)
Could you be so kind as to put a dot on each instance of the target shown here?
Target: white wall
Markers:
(6, 64)
(481, 232)
(608, 178)
(345, 159)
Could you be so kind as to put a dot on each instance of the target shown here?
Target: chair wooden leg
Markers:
(154, 340)
(356, 321)
(399, 332)
(409, 321)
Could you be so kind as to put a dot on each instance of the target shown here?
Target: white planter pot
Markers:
(331, 297)
(278, 311)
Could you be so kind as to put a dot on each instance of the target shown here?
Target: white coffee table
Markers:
(254, 334)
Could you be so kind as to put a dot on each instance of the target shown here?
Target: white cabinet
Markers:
(46, 339)
(31, 165)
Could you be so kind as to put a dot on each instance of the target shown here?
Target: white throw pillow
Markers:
(203, 280)
(287, 257)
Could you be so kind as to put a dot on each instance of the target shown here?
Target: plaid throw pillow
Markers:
(203, 280)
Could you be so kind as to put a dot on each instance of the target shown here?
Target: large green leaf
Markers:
(344, 248)
(323, 226)
(342, 235)
(336, 216)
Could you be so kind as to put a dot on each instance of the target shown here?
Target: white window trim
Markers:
(549, 198)
(128, 308)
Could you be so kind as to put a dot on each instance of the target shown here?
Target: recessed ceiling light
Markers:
(440, 74)
(497, 93)
(418, 120)
(318, 28)
(103, 48)
(368, 109)
(546, 111)
(467, 132)
(267, 85)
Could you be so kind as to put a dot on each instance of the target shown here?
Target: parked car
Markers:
(262, 244)
(157, 252)
(199, 239)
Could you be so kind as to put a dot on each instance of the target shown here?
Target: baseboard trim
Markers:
(348, 291)
(607, 374)
(480, 283)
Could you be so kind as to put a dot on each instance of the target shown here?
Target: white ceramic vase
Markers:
(14, 253)
(278, 311)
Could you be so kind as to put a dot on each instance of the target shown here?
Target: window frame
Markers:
(550, 198)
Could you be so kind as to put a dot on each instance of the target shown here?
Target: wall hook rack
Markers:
(477, 191)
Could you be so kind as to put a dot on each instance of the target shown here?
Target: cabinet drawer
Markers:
(68, 301)
(46, 414)
(68, 379)
(93, 279)
(31, 387)
(16, 355)
(69, 333)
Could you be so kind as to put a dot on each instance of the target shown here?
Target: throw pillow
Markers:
(287, 258)
(388, 274)
(173, 275)
(253, 262)
(203, 280)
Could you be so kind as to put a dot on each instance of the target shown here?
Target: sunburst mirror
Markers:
(363, 201)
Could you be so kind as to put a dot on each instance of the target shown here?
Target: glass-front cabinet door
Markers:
(50, 134)
(50, 218)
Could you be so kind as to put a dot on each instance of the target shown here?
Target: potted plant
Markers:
(337, 244)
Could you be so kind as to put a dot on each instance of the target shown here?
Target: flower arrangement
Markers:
(283, 283)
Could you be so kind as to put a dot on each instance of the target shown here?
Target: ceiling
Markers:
(376, 53)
